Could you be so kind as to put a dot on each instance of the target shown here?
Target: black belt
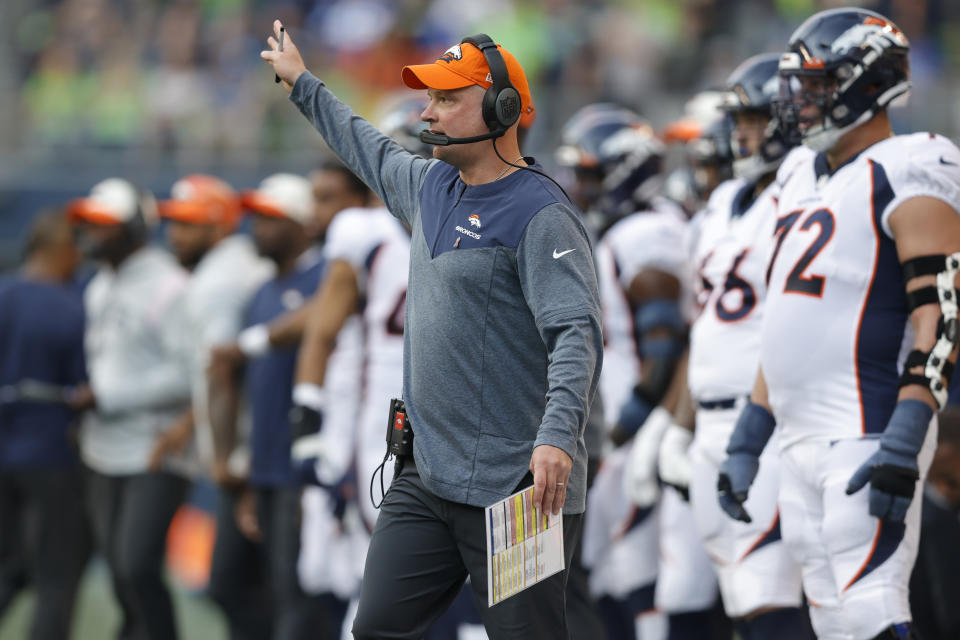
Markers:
(722, 403)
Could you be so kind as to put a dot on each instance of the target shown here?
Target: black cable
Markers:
(531, 169)
(373, 477)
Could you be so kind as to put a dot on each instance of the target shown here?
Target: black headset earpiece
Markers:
(501, 102)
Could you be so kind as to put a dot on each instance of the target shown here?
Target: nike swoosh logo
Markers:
(561, 254)
(947, 162)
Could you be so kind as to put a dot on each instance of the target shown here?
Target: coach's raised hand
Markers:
(287, 64)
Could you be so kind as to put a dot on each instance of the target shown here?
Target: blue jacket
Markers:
(41, 339)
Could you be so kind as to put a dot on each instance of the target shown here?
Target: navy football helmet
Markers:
(753, 87)
(711, 149)
(842, 67)
(618, 151)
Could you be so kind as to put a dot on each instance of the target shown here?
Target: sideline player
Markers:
(139, 384)
(202, 216)
(368, 252)
(859, 326)
(616, 160)
(759, 581)
(44, 535)
(703, 136)
(268, 508)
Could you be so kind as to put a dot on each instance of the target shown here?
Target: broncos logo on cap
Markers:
(474, 220)
(451, 54)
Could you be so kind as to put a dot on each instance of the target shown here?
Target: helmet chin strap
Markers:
(752, 167)
(820, 138)
(823, 137)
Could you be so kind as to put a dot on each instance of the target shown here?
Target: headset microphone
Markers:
(500, 108)
(440, 140)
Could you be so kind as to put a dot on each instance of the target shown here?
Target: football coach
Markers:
(502, 344)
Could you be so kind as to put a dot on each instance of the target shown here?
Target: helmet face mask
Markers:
(615, 157)
(843, 67)
(402, 123)
(710, 156)
(757, 142)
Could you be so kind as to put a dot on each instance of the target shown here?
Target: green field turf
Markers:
(97, 616)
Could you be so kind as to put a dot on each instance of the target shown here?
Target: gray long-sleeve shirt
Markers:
(502, 345)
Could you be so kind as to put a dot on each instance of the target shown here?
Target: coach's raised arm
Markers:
(502, 343)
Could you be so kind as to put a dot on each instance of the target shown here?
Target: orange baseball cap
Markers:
(202, 199)
(463, 65)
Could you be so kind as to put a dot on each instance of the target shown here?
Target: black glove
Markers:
(304, 421)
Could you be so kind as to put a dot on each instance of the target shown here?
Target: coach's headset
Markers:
(501, 101)
(501, 107)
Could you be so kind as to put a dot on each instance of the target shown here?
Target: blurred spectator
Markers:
(935, 584)
(44, 539)
(172, 76)
(139, 385)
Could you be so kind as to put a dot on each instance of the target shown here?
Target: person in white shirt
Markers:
(202, 216)
(139, 384)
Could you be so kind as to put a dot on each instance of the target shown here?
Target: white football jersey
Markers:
(836, 325)
(377, 246)
(730, 258)
(645, 240)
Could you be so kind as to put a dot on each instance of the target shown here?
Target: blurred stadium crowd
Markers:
(161, 88)
(156, 90)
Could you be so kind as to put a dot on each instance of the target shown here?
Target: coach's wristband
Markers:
(254, 341)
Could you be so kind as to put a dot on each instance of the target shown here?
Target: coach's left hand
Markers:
(551, 471)
(287, 64)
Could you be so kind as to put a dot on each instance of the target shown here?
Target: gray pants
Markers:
(422, 550)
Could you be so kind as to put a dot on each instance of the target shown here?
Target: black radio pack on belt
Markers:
(399, 445)
(399, 433)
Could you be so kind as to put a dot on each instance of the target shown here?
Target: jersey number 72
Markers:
(798, 281)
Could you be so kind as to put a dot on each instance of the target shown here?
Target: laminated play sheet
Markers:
(524, 546)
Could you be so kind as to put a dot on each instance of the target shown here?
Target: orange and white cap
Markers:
(202, 199)
(463, 65)
(113, 201)
(282, 195)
